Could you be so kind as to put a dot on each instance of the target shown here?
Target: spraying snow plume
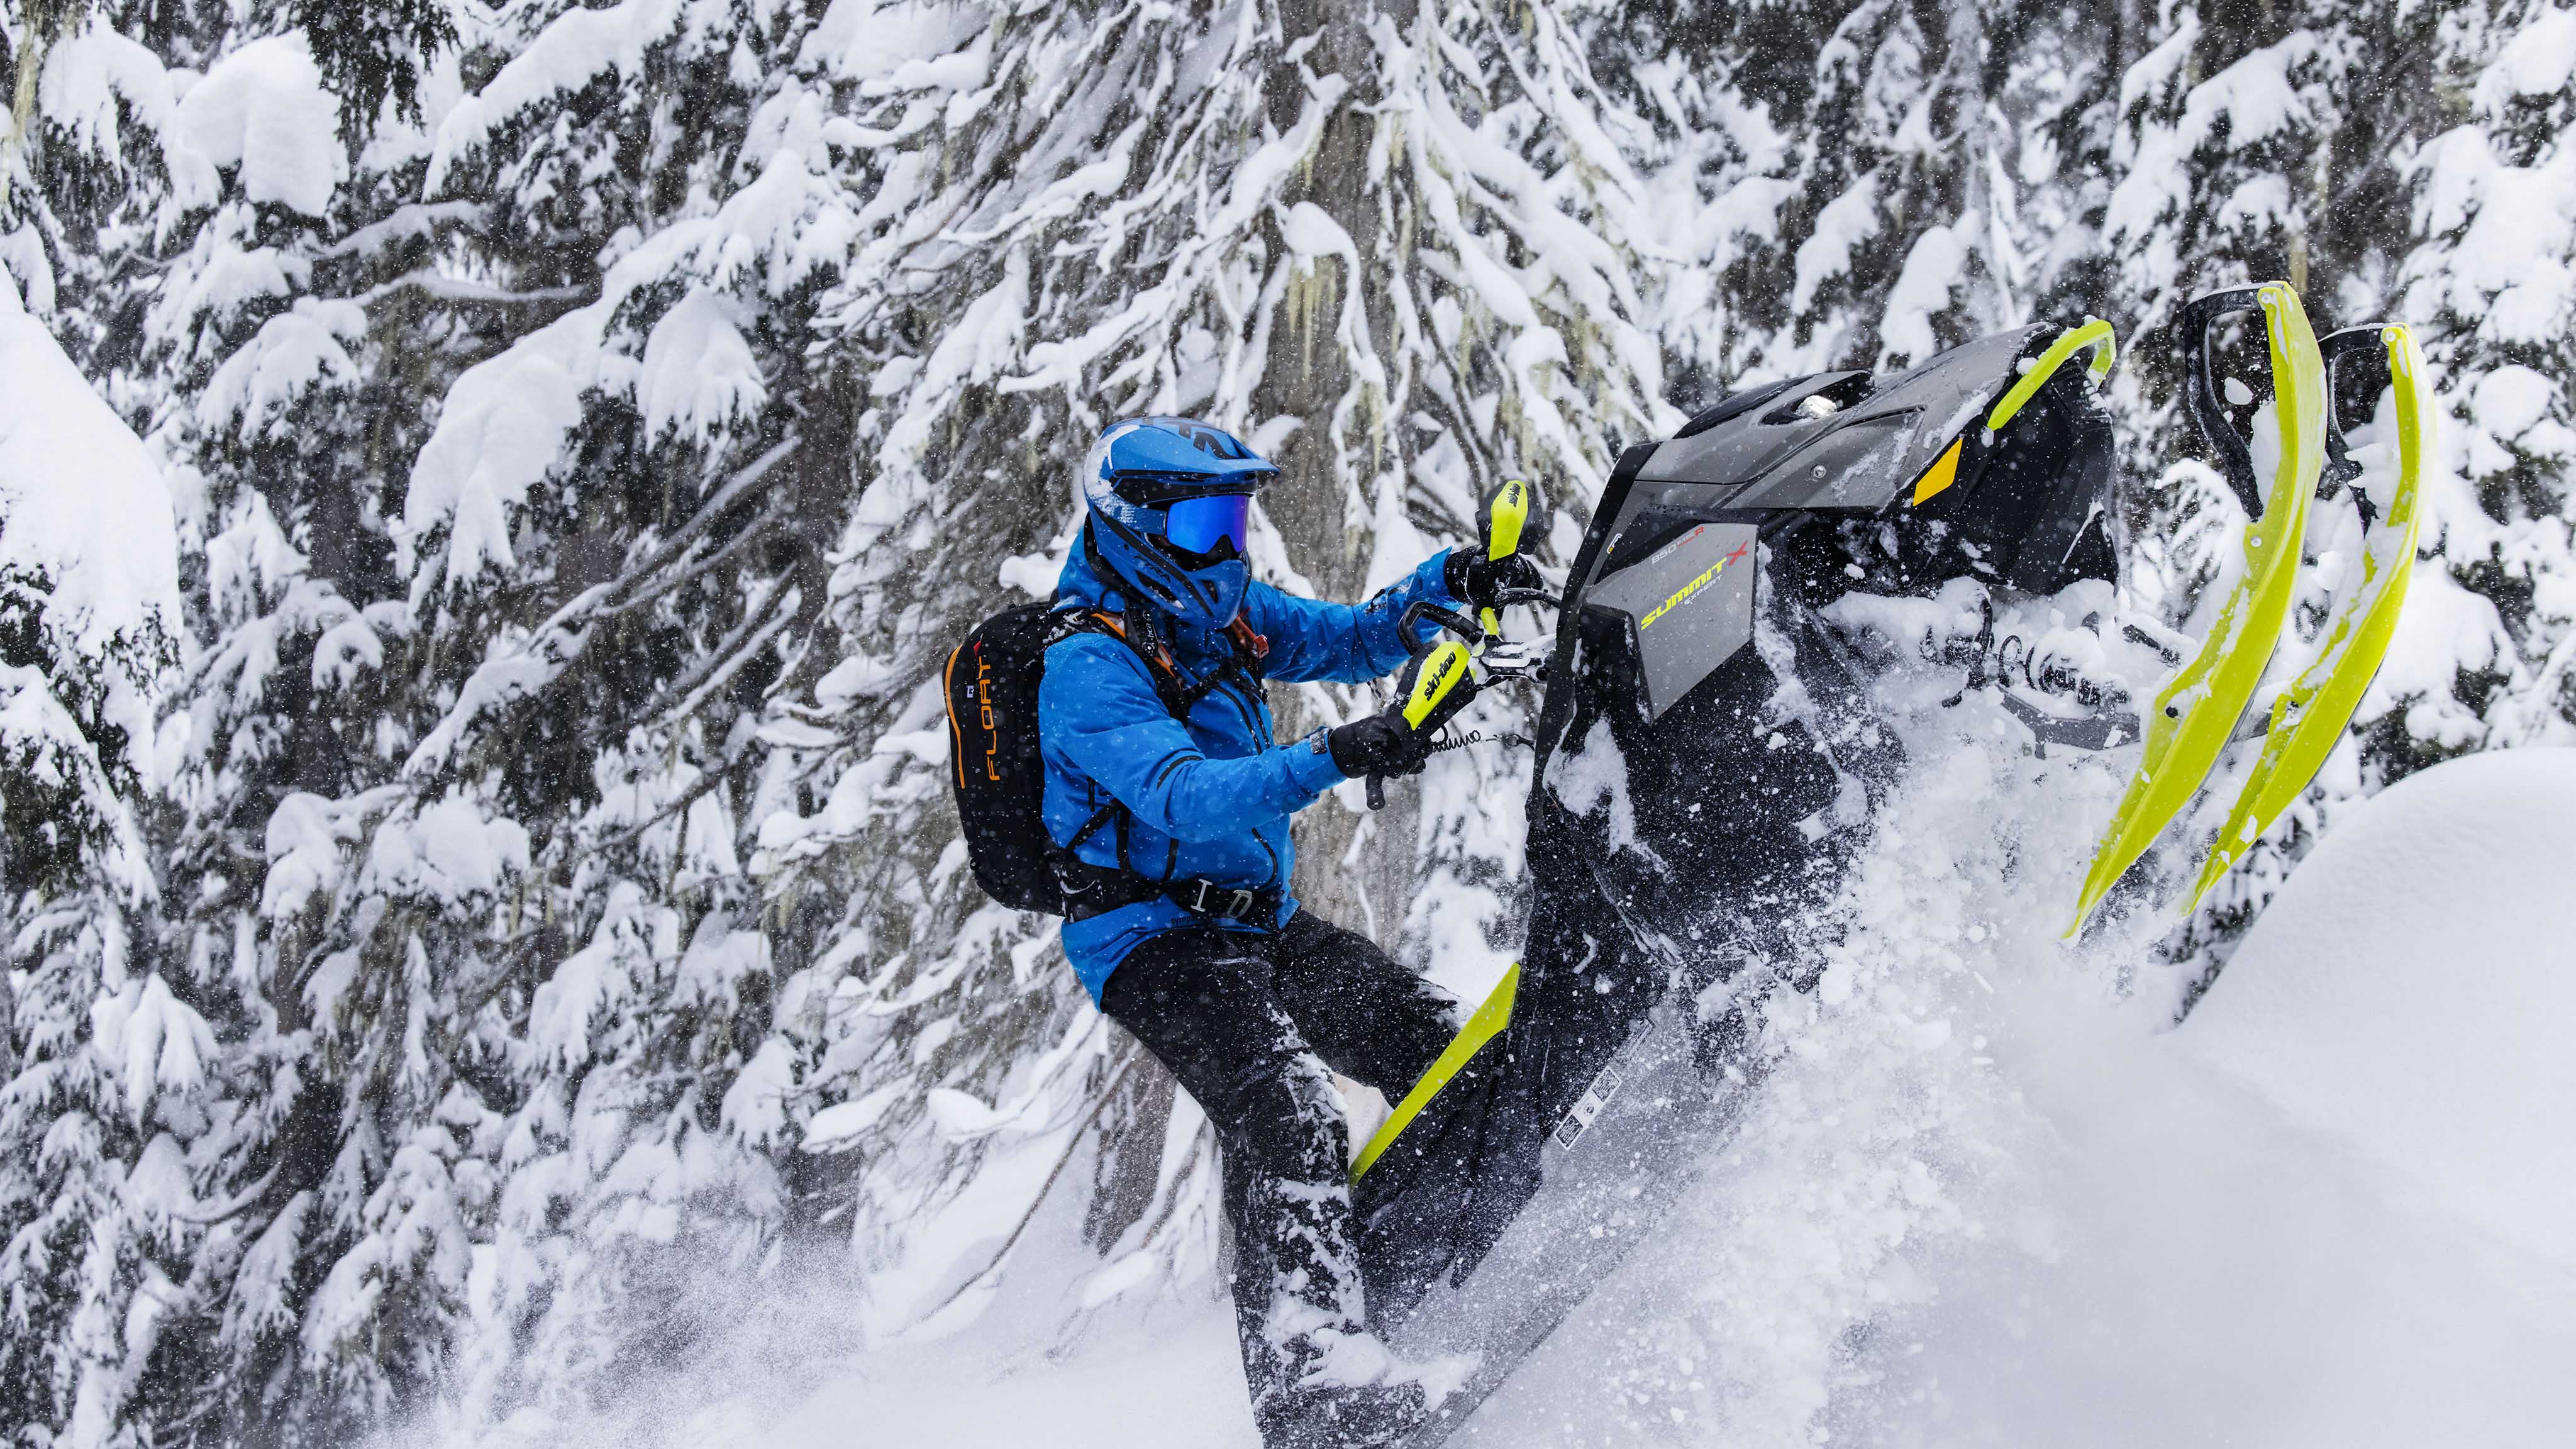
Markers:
(1985, 1200)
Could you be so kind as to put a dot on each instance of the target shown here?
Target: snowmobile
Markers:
(1708, 754)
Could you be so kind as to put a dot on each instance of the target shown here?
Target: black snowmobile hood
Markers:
(1992, 459)
(1837, 440)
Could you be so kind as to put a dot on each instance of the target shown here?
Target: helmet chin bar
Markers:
(1151, 574)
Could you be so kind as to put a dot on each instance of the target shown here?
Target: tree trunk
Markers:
(1323, 478)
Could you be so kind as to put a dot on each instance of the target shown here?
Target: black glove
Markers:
(1382, 744)
(1480, 581)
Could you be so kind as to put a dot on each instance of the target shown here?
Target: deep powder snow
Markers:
(1985, 1199)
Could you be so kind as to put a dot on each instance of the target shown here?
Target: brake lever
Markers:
(1449, 619)
(1497, 658)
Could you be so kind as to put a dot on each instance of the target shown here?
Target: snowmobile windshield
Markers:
(1203, 531)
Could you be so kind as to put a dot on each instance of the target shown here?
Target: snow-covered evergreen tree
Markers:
(1363, 238)
(2490, 639)
(107, 1069)
(511, 917)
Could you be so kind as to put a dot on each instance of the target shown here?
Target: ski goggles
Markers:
(1210, 529)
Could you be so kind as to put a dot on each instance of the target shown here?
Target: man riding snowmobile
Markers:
(1713, 736)
(1170, 802)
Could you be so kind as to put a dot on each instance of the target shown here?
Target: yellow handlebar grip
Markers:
(1504, 518)
(1433, 673)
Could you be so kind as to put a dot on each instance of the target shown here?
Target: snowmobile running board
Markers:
(1688, 833)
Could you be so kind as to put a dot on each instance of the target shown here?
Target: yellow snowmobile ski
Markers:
(2195, 714)
(2309, 718)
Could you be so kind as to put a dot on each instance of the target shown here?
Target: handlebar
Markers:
(1449, 619)
(1508, 512)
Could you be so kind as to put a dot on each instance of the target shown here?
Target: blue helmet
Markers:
(1170, 502)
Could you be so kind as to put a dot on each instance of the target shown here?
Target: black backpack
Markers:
(993, 741)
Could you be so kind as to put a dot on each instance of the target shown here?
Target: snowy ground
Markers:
(1984, 1202)
(2015, 1215)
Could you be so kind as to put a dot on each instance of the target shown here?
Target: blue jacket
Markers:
(1210, 801)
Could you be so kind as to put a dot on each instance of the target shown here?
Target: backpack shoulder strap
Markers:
(1250, 649)
(1156, 658)
(1167, 688)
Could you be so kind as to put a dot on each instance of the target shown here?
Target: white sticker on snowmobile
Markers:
(1595, 1097)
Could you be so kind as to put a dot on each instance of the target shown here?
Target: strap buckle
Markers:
(1237, 902)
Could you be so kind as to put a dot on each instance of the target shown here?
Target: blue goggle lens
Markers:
(1198, 526)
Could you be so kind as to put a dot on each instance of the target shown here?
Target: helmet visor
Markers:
(1202, 531)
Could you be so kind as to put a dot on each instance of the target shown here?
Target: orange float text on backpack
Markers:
(992, 731)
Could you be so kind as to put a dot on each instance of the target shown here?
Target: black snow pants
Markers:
(1248, 1024)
